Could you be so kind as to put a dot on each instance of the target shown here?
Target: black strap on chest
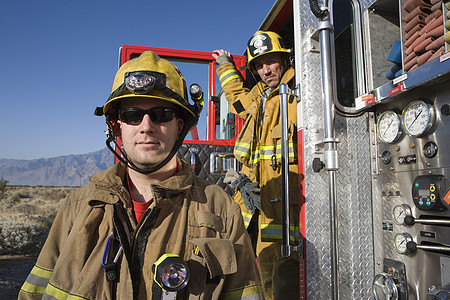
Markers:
(112, 272)
(140, 244)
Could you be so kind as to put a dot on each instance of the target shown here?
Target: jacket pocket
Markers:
(246, 146)
(210, 220)
(219, 255)
(210, 262)
(205, 224)
(276, 137)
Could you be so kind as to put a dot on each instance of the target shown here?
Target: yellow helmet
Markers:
(264, 42)
(153, 77)
(150, 76)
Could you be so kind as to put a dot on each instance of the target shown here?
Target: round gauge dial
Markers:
(417, 118)
(400, 212)
(388, 127)
(400, 241)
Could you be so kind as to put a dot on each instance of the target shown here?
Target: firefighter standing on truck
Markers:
(111, 236)
(258, 147)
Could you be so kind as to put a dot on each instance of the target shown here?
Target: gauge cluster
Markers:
(410, 138)
(405, 135)
(416, 120)
(412, 176)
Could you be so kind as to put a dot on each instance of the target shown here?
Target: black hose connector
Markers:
(316, 10)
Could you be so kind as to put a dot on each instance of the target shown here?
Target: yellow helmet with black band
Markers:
(152, 77)
(264, 42)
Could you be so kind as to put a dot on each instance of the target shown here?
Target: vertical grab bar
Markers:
(286, 247)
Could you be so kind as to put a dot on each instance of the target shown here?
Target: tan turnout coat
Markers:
(189, 217)
(258, 147)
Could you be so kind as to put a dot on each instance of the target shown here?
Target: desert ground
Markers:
(26, 214)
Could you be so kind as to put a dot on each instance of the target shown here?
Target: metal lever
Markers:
(410, 220)
(412, 247)
(194, 160)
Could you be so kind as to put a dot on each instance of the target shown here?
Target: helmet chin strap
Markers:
(123, 157)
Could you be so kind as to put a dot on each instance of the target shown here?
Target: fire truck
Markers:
(373, 129)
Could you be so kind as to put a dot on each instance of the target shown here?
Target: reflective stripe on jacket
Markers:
(188, 213)
(258, 147)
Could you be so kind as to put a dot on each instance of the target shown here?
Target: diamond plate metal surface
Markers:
(203, 155)
(354, 202)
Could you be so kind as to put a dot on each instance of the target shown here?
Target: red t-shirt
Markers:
(139, 207)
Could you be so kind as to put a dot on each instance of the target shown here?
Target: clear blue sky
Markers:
(58, 59)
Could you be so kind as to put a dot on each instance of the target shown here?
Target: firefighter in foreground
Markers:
(258, 148)
(110, 235)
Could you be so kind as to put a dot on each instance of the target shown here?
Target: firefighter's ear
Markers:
(116, 129)
(180, 125)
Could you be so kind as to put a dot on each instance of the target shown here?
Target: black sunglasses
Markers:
(157, 114)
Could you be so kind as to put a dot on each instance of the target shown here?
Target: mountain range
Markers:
(68, 170)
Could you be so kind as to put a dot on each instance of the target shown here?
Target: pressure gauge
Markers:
(388, 127)
(399, 212)
(418, 118)
(400, 241)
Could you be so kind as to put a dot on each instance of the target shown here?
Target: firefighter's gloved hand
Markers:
(221, 56)
(249, 190)
(250, 195)
(230, 176)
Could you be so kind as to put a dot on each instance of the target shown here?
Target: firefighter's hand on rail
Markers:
(219, 52)
(221, 56)
(249, 190)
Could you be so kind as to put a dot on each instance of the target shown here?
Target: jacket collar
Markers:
(174, 185)
(113, 180)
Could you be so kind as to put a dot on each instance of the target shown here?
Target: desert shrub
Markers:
(21, 238)
(23, 195)
(20, 195)
(9, 202)
(3, 185)
(39, 202)
(55, 194)
(26, 215)
(15, 197)
(26, 208)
